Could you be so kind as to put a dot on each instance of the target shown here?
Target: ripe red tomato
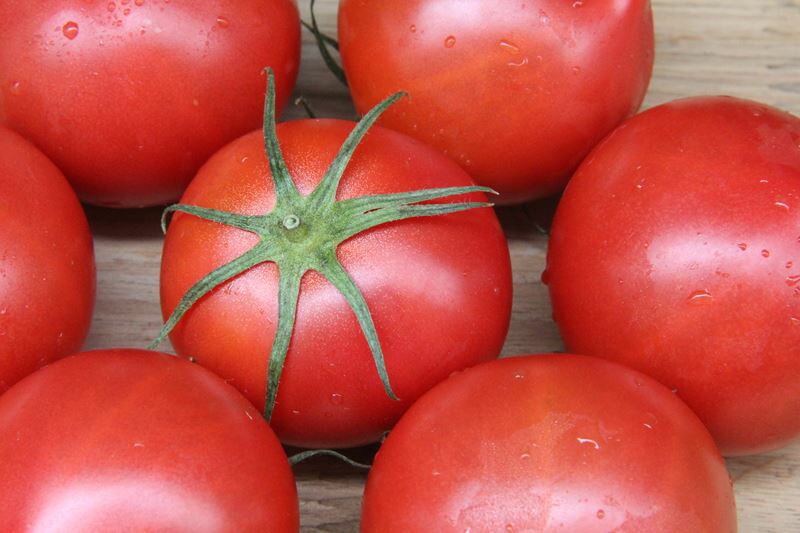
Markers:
(438, 288)
(128, 440)
(516, 91)
(676, 251)
(130, 97)
(549, 443)
(47, 276)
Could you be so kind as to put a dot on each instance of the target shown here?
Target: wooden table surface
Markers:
(746, 48)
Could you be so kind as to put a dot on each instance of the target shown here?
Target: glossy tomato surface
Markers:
(516, 91)
(549, 443)
(128, 440)
(439, 288)
(676, 250)
(47, 273)
(130, 97)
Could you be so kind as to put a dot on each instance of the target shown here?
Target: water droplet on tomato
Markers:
(543, 17)
(700, 297)
(525, 456)
(576, 70)
(765, 253)
(111, 6)
(16, 88)
(577, 3)
(412, 28)
(782, 205)
(508, 46)
(789, 264)
(588, 441)
(601, 514)
(195, 102)
(138, 2)
(742, 246)
(70, 30)
(795, 321)
(792, 281)
(509, 527)
(223, 22)
(524, 61)
(126, 11)
(519, 375)
(243, 161)
(125, 2)
(450, 42)
(337, 399)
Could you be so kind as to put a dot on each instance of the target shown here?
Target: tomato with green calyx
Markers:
(516, 91)
(676, 251)
(365, 296)
(47, 272)
(549, 443)
(128, 440)
(129, 98)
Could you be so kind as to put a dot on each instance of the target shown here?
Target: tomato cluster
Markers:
(325, 282)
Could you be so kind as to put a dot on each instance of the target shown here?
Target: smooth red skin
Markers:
(696, 195)
(439, 288)
(549, 443)
(47, 272)
(519, 129)
(133, 105)
(129, 440)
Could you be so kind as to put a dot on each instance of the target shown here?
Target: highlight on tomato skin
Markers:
(129, 98)
(549, 443)
(130, 440)
(675, 251)
(516, 91)
(47, 268)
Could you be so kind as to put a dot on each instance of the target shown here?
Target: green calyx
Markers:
(302, 233)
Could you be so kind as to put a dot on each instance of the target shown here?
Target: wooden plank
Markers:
(746, 48)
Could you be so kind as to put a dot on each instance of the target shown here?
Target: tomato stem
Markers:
(302, 233)
(323, 42)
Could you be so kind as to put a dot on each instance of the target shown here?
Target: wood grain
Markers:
(747, 48)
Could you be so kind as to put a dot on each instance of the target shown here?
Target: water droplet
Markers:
(16, 88)
(795, 320)
(126, 11)
(223, 22)
(782, 205)
(742, 246)
(195, 102)
(70, 30)
(576, 70)
(544, 18)
(412, 28)
(648, 426)
(519, 375)
(436, 473)
(138, 2)
(509, 527)
(509, 46)
(700, 297)
(640, 185)
(337, 399)
(765, 253)
(111, 6)
(3, 310)
(125, 2)
(450, 42)
(138, 445)
(792, 281)
(521, 63)
(525, 456)
(789, 264)
(589, 441)
(244, 160)
(601, 514)
(577, 3)
(248, 415)
(763, 180)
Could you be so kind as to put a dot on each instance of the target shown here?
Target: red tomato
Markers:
(130, 97)
(676, 250)
(516, 91)
(439, 288)
(128, 440)
(549, 443)
(47, 276)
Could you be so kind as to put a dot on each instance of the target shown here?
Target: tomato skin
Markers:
(128, 440)
(675, 251)
(516, 91)
(549, 443)
(439, 288)
(47, 272)
(142, 93)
